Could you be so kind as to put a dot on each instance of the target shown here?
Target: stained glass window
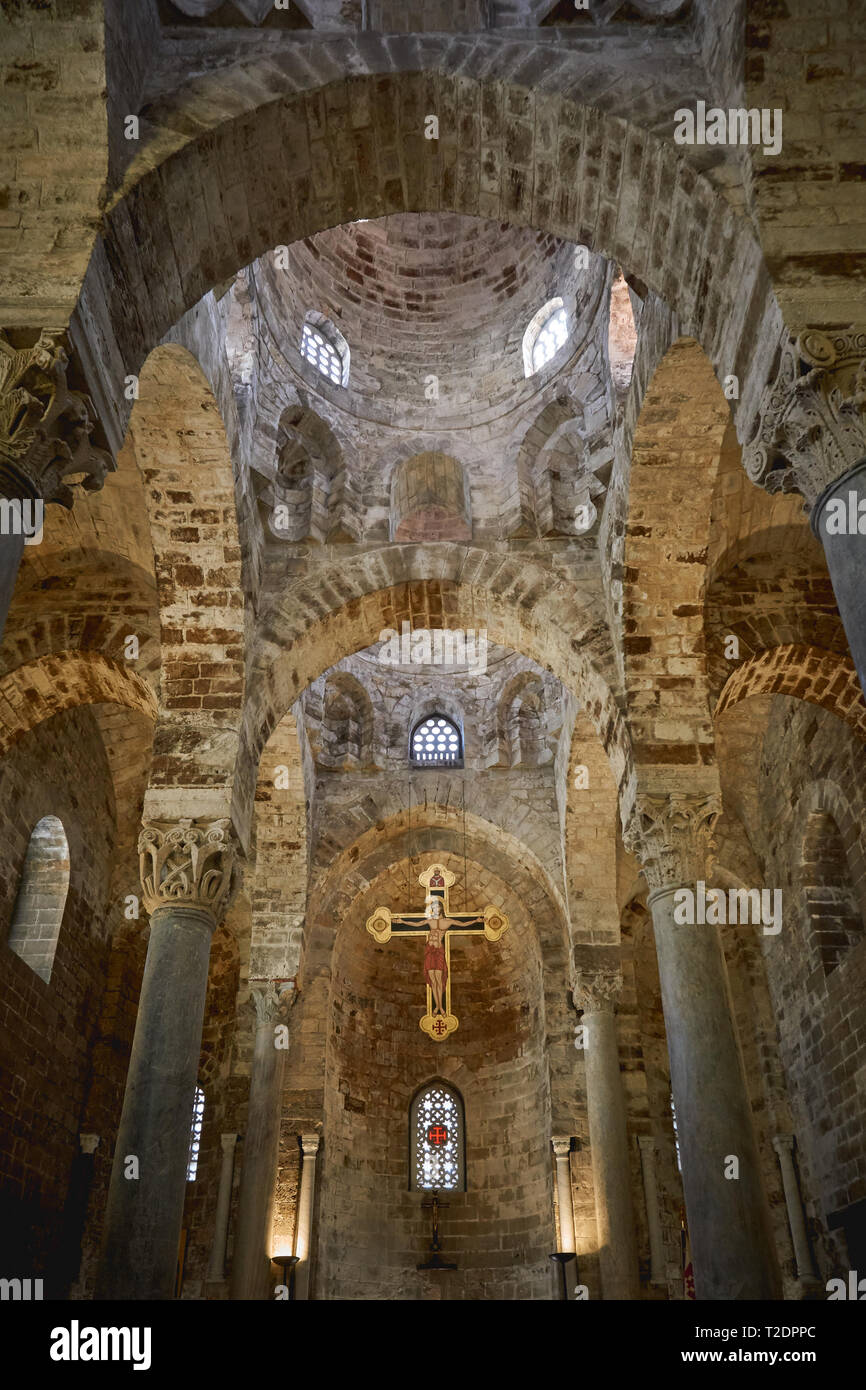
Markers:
(195, 1134)
(437, 1139)
(436, 742)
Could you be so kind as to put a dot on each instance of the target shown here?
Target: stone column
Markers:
(186, 872)
(811, 438)
(304, 1225)
(217, 1267)
(45, 436)
(595, 992)
(562, 1148)
(732, 1247)
(252, 1253)
(647, 1145)
(784, 1146)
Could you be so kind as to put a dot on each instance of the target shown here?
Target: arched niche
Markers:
(430, 500)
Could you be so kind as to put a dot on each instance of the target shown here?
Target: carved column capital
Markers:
(783, 1144)
(647, 1144)
(561, 1146)
(671, 834)
(310, 1144)
(271, 1000)
(89, 1143)
(228, 1142)
(188, 863)
(596, 991)
(46, 428)
(812, 419)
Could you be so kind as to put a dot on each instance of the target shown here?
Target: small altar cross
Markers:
(438, 1022)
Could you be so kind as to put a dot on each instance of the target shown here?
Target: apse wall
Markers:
(372, 1230)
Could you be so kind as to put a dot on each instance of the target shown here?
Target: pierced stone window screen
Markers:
(39, 906)
(546, 334)
(325, 348)
(437, 1140)
(195, 1134)
(436, 743)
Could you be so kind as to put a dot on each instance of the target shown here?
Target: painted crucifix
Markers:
(437, 924)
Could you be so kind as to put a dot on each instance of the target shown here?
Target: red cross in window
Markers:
(437, 1135)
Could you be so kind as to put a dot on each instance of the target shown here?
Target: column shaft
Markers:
(143, 1216)
(610, 1159)
(252, 1253)
(217, 1267)
(304, 1227)
(651, 1197)
(784, 1144)
(561, 1148)
(733, 1252)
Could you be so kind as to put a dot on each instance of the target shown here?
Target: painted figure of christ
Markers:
(435, 966)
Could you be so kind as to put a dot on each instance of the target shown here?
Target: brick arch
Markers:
(40, 689)
(183, 454)
(828, 679)
(575, 171)
(341, 865)
(316, 627)
(87, 600)
(675, 456)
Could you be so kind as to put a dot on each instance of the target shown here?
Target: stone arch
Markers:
(823, 678)
(311, 630)
(581, 173)
(430, 499)
(41, 899)
(37, 690)
(832, 875)
(182, 451)
(676, 449)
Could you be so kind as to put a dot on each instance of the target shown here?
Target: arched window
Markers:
(546, 334)
(325, 348)
(437, 1140)
(195, 1134)
(41, 899)
(436, 743)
